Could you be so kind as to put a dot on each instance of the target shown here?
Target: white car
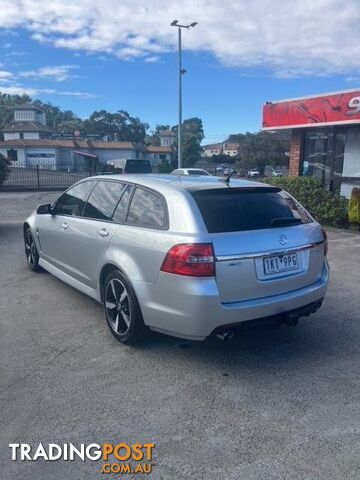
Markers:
(253, 173)
(190, 171)
(276, 173)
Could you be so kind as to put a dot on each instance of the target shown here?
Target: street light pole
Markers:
(180, 74)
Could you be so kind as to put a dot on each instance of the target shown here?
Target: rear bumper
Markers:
(191, 308)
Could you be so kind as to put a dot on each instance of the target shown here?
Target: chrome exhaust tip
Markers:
(225, 335)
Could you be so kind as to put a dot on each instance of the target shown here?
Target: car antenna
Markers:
(227, 178)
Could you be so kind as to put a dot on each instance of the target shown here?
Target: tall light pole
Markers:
(181, 72)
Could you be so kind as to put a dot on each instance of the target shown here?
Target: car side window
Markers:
(147, 209)
(103, 200)
(72, 201)
(119, 214)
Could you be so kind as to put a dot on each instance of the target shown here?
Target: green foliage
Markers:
(354, 206)
(326, 207)
(118, 126)
(165, 167)
(4, 168)
(192, 135)
(263, 148)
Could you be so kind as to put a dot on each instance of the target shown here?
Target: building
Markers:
(64, 154)
(29, 122)
(213, 149)
(325, 136)
(230, 149)
(167, 138)
(27, 143)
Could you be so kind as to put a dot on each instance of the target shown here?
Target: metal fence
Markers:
(45, 175)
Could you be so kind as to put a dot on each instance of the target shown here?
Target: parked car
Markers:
(130, 166)
(253, 173)
(276, 173)
(190, 171)
(186, 257)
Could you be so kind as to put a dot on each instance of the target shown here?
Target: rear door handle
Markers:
(64, 226)
(102, 232)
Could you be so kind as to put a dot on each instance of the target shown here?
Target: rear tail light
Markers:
(325, 242)
(190, 259)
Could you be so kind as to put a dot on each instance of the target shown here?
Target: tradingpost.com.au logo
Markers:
(117, 458)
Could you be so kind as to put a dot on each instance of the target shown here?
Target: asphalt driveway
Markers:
(272, 404)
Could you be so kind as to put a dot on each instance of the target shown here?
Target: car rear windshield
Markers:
(138, 166)
(234, 209)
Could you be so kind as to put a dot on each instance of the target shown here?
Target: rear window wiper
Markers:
(285, 220)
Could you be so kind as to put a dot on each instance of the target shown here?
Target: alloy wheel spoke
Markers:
(126, 318)
(112, 285)
(110, 305)
(123, 296)
(116, 323)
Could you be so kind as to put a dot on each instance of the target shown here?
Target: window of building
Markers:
(12, 155)
(318, 155)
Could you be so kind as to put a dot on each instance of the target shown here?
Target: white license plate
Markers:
(280, 263)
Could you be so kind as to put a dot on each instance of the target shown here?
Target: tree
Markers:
(192, 136)
(4, 168)
(264, 148)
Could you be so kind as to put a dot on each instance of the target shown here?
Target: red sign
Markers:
(331, 109)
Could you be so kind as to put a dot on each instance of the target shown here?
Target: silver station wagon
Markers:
(185, 256)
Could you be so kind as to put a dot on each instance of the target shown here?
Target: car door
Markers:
(91, 234)
(53, 229)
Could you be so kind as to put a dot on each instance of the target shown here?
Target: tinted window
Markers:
(72, 202)
(119, 214)
(137, 166)
(147, 209)
(234, 210)
(197, 172)
(103, 200)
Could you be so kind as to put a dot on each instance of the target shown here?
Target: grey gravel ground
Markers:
(272, 404)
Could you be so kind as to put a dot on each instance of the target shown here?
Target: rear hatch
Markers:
(265, 243)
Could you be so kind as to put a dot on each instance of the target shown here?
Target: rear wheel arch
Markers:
(106, 269)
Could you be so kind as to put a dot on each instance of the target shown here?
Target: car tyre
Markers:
(31, 251)
(122, 310)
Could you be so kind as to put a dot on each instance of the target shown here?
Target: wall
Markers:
(24, 116)
(295, 152)
(20, 153)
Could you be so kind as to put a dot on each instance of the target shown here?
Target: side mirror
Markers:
(44, 209)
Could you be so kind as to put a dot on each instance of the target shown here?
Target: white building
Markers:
(167, 138)
(60, 154)
(213, 149)
(230, 149)
(29, 123)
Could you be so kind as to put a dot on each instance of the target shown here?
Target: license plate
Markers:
(280, 263)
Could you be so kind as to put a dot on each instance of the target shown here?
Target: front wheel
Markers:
(122, 310)
(31, 252)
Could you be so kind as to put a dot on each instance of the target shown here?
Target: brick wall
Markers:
(295, 152)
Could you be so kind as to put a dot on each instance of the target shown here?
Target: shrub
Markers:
(354, 206)
(4, 168)
(326, 207)
(165, 167)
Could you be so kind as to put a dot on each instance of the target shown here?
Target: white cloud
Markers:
(59, 73)
(5, 75)
(305, 37)
(21, 90)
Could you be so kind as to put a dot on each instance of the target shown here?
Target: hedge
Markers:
(4, 168)
(326, 207)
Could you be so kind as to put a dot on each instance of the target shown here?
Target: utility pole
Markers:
(181, 72)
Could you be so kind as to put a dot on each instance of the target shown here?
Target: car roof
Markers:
(163, 182)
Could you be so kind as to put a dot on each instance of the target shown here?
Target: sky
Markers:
(122, 54)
